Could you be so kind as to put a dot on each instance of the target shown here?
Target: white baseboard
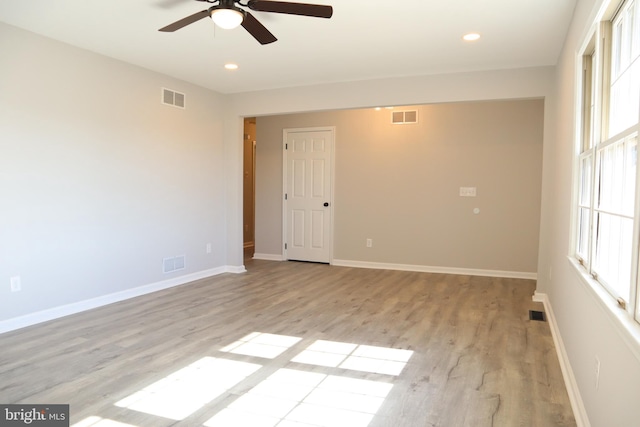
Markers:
(268, 257)
(77, 307)
(430, 269)
(579, 411)
(235, 269)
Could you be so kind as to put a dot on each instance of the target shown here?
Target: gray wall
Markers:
(399, 184)
(99, 181)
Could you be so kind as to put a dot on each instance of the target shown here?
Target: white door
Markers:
(308, 220)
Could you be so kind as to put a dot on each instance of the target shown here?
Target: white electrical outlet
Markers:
(597, 372)
(16, 286)
(208, 248)
(369, 243)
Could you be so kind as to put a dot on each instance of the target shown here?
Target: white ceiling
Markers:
(364, 39)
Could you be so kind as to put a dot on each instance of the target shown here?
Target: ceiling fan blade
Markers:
(304, 9)
(257, 30)
(185, 21)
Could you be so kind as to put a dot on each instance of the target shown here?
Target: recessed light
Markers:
(471, 37)
(231, 66)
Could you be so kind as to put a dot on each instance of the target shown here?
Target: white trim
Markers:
(284, 193)
(269, 257)
(579, 411)
(432, 269)
(80, 306)
(236, 269)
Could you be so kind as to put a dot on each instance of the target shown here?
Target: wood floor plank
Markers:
(477, 360)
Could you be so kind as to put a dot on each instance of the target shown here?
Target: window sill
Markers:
(621, 320)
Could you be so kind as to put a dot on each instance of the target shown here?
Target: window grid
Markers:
(584, 210)
(625, 70)
(607, 219)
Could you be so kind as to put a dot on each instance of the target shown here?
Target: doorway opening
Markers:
(249, 196)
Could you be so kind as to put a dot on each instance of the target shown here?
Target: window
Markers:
(607, 214)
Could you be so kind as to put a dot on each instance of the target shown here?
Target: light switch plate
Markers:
(16, 285)
(467, 191)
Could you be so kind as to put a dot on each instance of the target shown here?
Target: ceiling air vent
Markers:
(171, 97)
(404, 117)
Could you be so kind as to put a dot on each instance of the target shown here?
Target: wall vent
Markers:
(171, 97)
(404, 117)
(173, 264)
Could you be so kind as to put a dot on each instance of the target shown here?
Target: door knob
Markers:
(326, 204)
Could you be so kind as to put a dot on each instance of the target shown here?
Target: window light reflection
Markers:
(100, 422)
(366, 358)
(287, 398)
(298, 398)
(187, 390)
(268, 346)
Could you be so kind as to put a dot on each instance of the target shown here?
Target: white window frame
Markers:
(593, 72)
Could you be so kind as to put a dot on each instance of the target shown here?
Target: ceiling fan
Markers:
(227, 15)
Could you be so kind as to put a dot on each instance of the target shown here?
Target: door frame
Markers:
(332, 175)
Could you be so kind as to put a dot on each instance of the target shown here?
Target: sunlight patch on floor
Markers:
(100, 422)
(366, 358)
(185, 391)
(268, 346)
(287, 398)
(290, 398)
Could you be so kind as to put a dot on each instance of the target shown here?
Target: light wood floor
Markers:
(477, 360)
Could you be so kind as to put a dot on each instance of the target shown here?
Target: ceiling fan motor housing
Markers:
(228, 4)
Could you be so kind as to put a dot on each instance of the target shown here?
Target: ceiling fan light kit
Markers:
(227, 18)
(227, 15)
